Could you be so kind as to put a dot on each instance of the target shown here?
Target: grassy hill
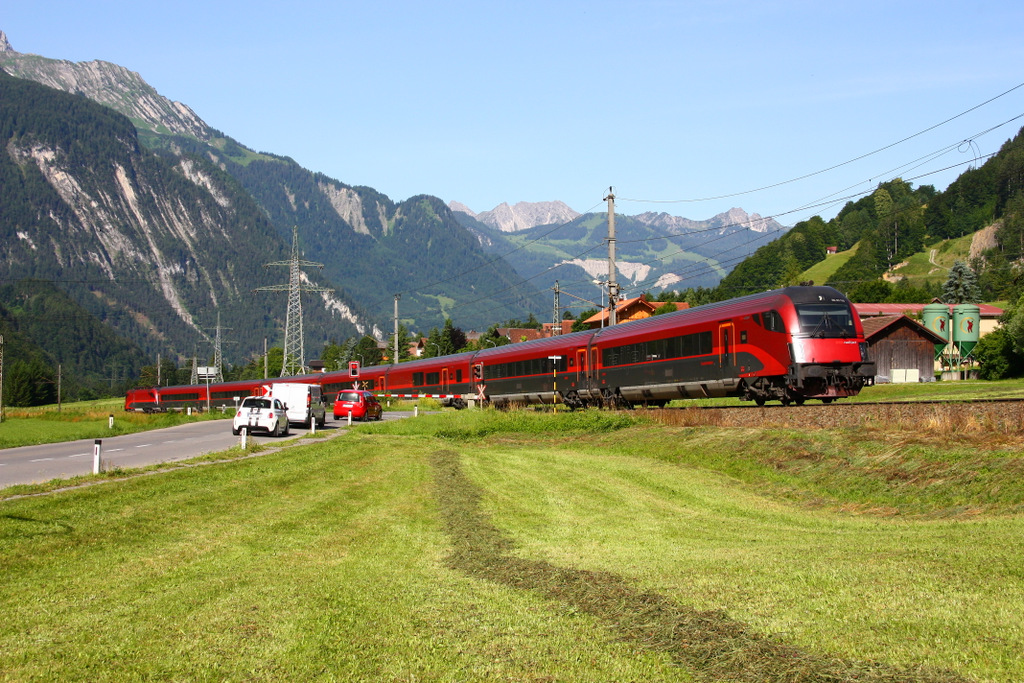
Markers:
(821, 271)
(521, 546)
(931, 266)
(928, 267)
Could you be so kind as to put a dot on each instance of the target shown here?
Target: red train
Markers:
(786, 345)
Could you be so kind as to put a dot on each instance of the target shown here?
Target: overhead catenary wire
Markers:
(830, 168)
(830, 200)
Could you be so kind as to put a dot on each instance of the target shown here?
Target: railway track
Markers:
(841, 404)
(947, 418)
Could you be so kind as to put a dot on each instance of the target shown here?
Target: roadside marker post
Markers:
(110, 422)
(245, 436)
(97, 450)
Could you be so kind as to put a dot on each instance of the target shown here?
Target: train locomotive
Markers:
(787, 345)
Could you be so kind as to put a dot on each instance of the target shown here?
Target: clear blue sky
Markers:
(489, 102)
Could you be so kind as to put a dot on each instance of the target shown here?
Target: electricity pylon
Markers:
(294, 339)
(218, 355)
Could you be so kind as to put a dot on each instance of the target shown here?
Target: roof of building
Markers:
(870, 310)
(627, 304)
(877, 325)
(517, 334)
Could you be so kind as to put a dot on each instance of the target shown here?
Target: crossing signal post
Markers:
(478, 381)
(554, 381)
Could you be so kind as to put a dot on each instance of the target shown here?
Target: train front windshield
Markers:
(826, 320)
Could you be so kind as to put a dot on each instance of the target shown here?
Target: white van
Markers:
(304, 402)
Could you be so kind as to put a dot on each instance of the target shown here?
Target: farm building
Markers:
(903, 349)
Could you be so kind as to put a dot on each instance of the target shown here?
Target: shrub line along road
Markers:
(38, 464)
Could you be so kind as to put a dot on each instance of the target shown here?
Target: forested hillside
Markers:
(898, 220)
(373, 247)
(50, 340)
(152, 245)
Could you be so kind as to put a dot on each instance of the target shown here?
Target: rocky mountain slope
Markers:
(371, 247)
(655, 251)
(109, 84)
(521, 216)
(155, 245)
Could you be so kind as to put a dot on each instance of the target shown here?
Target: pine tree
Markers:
(961, 286)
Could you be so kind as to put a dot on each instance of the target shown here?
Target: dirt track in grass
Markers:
(711, 644)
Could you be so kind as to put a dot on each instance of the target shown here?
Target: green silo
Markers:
(966, 328)
(936, 318)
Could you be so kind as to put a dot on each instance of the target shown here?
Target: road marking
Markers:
(114, 450)
(143, 445)
(79, 455)
(41, 460)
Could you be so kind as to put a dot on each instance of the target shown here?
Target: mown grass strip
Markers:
(709, 642)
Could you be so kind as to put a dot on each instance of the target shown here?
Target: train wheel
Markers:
(573, 400)
(609, 400)
(759, 400)
(799, 400)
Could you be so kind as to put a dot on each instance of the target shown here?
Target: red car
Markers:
(362, 404)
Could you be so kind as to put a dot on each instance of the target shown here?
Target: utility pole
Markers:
(1, 378)
(397, 297)
(556, 322)
(218, 351)
(294, 338)
(613, 286)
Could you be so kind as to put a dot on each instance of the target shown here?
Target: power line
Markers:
(830, 168)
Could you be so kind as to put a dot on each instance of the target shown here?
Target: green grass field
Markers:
(529, 546)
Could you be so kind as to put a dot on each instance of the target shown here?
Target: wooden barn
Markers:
(903, 349)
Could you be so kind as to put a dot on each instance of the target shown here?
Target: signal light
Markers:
(478, 372)
(353, 368)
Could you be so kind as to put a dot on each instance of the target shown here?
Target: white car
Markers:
(261, 414)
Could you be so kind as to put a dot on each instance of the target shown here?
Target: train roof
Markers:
(724, 309)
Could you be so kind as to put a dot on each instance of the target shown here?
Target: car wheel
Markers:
(235, 431)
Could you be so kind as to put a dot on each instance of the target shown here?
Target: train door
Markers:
(444, 380)
(581, 367)
(727, 345)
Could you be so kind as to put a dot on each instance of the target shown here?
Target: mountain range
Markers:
(654, 251)
(155, 223)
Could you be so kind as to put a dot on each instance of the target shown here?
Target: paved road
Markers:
(36, 464)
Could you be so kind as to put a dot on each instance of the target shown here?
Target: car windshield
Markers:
(832, 320)
(255, 403)
(348, 396)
